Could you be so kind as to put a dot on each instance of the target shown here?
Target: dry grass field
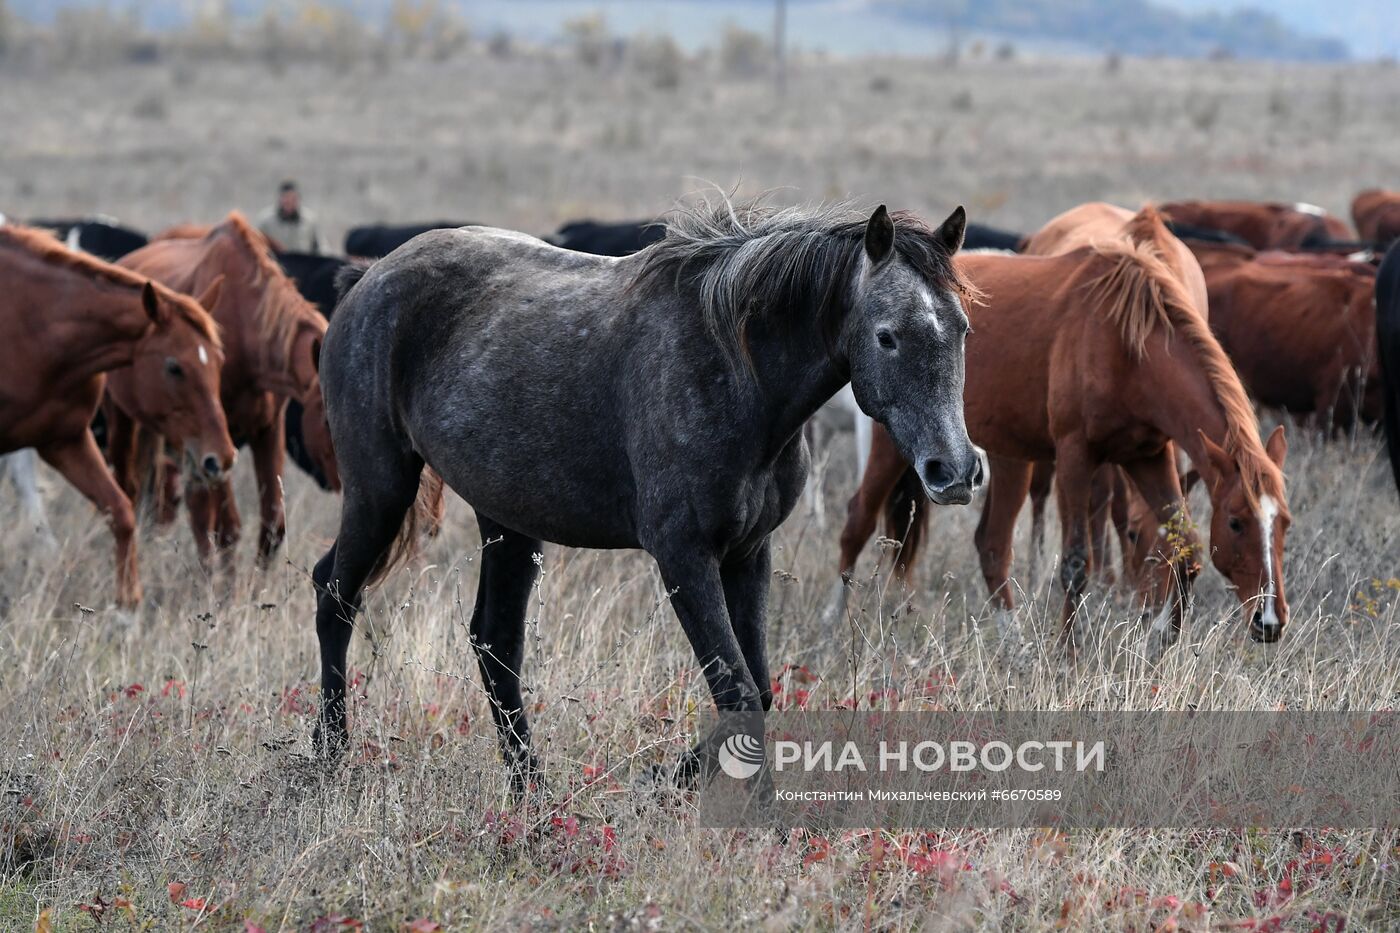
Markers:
(155, 771)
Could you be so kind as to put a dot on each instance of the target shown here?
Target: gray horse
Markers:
(654, 401)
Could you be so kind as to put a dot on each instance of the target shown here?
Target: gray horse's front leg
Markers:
(746, 596)
(692, 574)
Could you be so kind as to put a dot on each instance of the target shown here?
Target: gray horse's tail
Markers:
(346, 277)
(424, 519)
(906, 520)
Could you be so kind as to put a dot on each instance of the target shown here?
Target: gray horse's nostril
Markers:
(937, 474)
(977, 472)
(211, 466)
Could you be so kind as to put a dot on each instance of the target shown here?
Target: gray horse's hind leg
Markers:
(508, 573)
(370, 519)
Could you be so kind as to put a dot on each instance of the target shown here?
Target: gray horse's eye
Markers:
(886, 338)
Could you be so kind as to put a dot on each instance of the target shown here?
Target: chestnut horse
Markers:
(1109, 499)
(1301, 331)
(1099, 355)
(271, 336)
(67, 320)
(1376, 214)
(1264, 225)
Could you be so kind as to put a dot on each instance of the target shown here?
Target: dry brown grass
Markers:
(173, 748)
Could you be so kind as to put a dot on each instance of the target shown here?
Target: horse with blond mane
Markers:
(272, 336)
(68, 322)
(1101, 354)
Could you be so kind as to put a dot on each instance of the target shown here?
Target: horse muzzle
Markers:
(1265, 629)
(948, 483)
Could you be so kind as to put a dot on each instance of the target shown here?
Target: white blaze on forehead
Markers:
(74, 235)
(926, 299)
(1268, 514)
(203, 357)
(1305, 208)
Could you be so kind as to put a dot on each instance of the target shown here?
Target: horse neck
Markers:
(1188, 403)
(103, 327)
(794, 374)
(267, 299)
(275, 365)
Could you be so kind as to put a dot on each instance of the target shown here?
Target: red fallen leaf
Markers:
(609, 838)
(331, 922)
(176, 890)
(251, 927)
(422, 925)
(934, 860)
(1225, 869)
(195, 903)
(133, 691)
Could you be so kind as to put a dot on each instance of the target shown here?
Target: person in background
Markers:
(291, 227)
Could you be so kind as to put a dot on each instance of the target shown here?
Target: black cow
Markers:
(1204, 234)
(375, 240)
(101, 236)
(980, 236)
(1388, 342)
(315, 277)
(608, 239)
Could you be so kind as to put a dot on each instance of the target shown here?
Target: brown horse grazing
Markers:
(1099, 356)
(1302, 334)
(1376, 214)
(271, 337)
(1087, 225)
(1262, 224)
(66, 320)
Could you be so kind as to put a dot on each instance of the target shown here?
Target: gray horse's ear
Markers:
(950, 232)
(879, 235)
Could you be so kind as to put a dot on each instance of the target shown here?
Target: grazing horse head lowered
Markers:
(654, 401)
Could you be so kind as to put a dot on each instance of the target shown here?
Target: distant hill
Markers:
(1370, 28)
(1135, 27)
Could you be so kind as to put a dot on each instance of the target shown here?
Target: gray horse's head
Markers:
(903, 337)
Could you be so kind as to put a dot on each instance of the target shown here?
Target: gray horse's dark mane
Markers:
(753, 261)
